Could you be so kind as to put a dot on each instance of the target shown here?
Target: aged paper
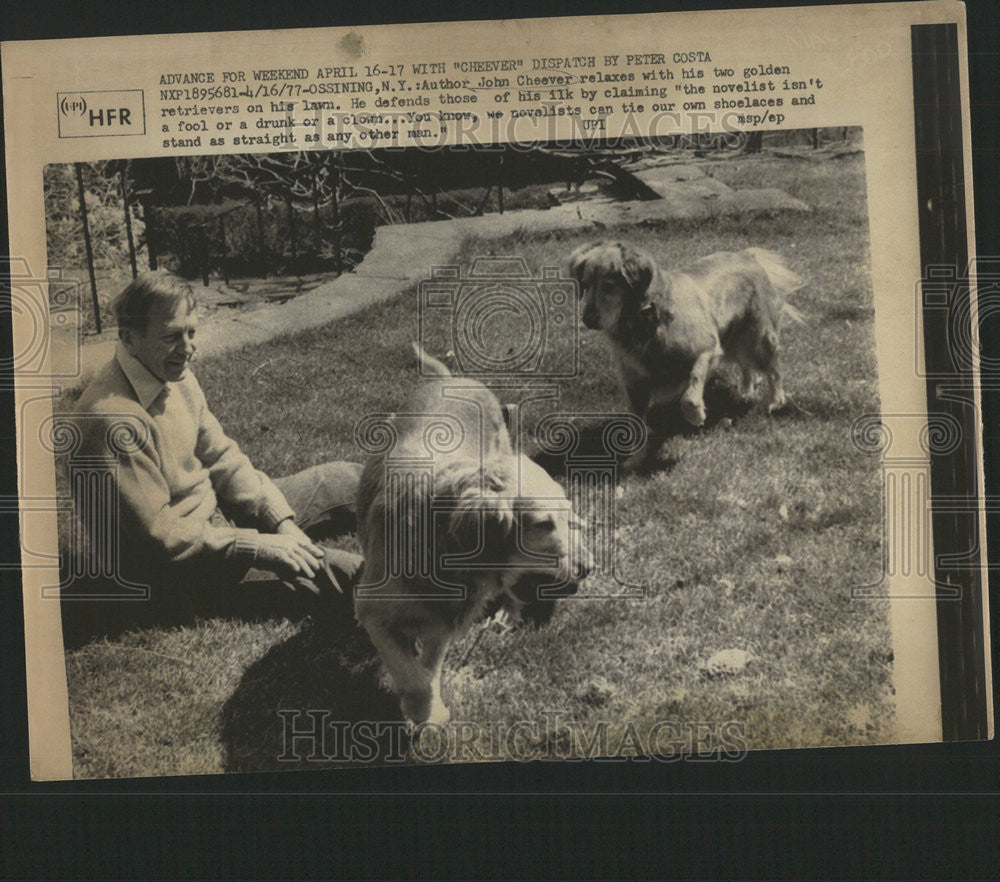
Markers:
(729, 129)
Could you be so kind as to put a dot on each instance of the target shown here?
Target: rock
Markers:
(783, 560)
(726, 663)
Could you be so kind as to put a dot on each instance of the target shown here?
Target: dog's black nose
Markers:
(592, 320)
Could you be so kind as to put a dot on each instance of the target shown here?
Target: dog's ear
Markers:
(576, 262)
(480, 516)
(578, 259)
(639, 271)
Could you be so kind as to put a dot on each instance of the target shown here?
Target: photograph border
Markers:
(957, 773)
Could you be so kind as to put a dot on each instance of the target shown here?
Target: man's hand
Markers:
(289, 552)
(288, 527)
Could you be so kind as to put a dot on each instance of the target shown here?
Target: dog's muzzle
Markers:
(581, 567)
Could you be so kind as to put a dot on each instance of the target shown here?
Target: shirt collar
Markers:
(147, 387)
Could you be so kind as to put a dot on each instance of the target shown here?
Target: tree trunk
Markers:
(223, 250)
(317, 220)
(335, 206)
(292, 244)
(500, 185)
(86, 242)
(754, 142)
(261, 244)
(128, 224)
(148, 215)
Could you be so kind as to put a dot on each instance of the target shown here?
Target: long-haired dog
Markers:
(451, 520)
(671, 329)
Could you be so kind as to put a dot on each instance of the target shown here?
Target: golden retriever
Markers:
(671, 329)
(450, 519)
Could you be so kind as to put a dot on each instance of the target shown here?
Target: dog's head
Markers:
(614, 283)
(511, 514)
(548, 534)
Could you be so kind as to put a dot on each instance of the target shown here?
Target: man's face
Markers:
(167, 344)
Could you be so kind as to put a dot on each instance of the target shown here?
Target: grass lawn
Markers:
(746, 536)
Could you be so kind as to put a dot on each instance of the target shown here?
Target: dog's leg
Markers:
(776, 398)
(432, 651)
(748, 380)
(768, 362)
(411, 681)
(638, 392)
(693, 400)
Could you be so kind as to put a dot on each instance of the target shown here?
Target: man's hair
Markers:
(154, 292)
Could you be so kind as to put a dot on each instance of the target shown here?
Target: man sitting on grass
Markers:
(197, 523)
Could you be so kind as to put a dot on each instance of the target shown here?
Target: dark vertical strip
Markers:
(944, 249)
(149, 217)
(338, 238)
(261, 241)
(86, 242)
(126, 203)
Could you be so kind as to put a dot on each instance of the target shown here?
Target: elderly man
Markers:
(197, 522)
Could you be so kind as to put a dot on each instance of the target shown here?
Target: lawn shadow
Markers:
(723, 402)
(100, 609)
(664, 422)
(319, 699)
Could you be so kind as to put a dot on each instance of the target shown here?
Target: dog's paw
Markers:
(506, 618)
(439, 715)
(778, 404)
(424, 708)
(693, 411)
(415, 707)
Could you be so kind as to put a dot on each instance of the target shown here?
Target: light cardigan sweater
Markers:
(171, 470)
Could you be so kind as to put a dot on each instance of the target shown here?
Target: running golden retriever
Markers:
(451, 519)
(671, 329)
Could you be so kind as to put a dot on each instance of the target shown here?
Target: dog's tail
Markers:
(785, 282)
(430, 366)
